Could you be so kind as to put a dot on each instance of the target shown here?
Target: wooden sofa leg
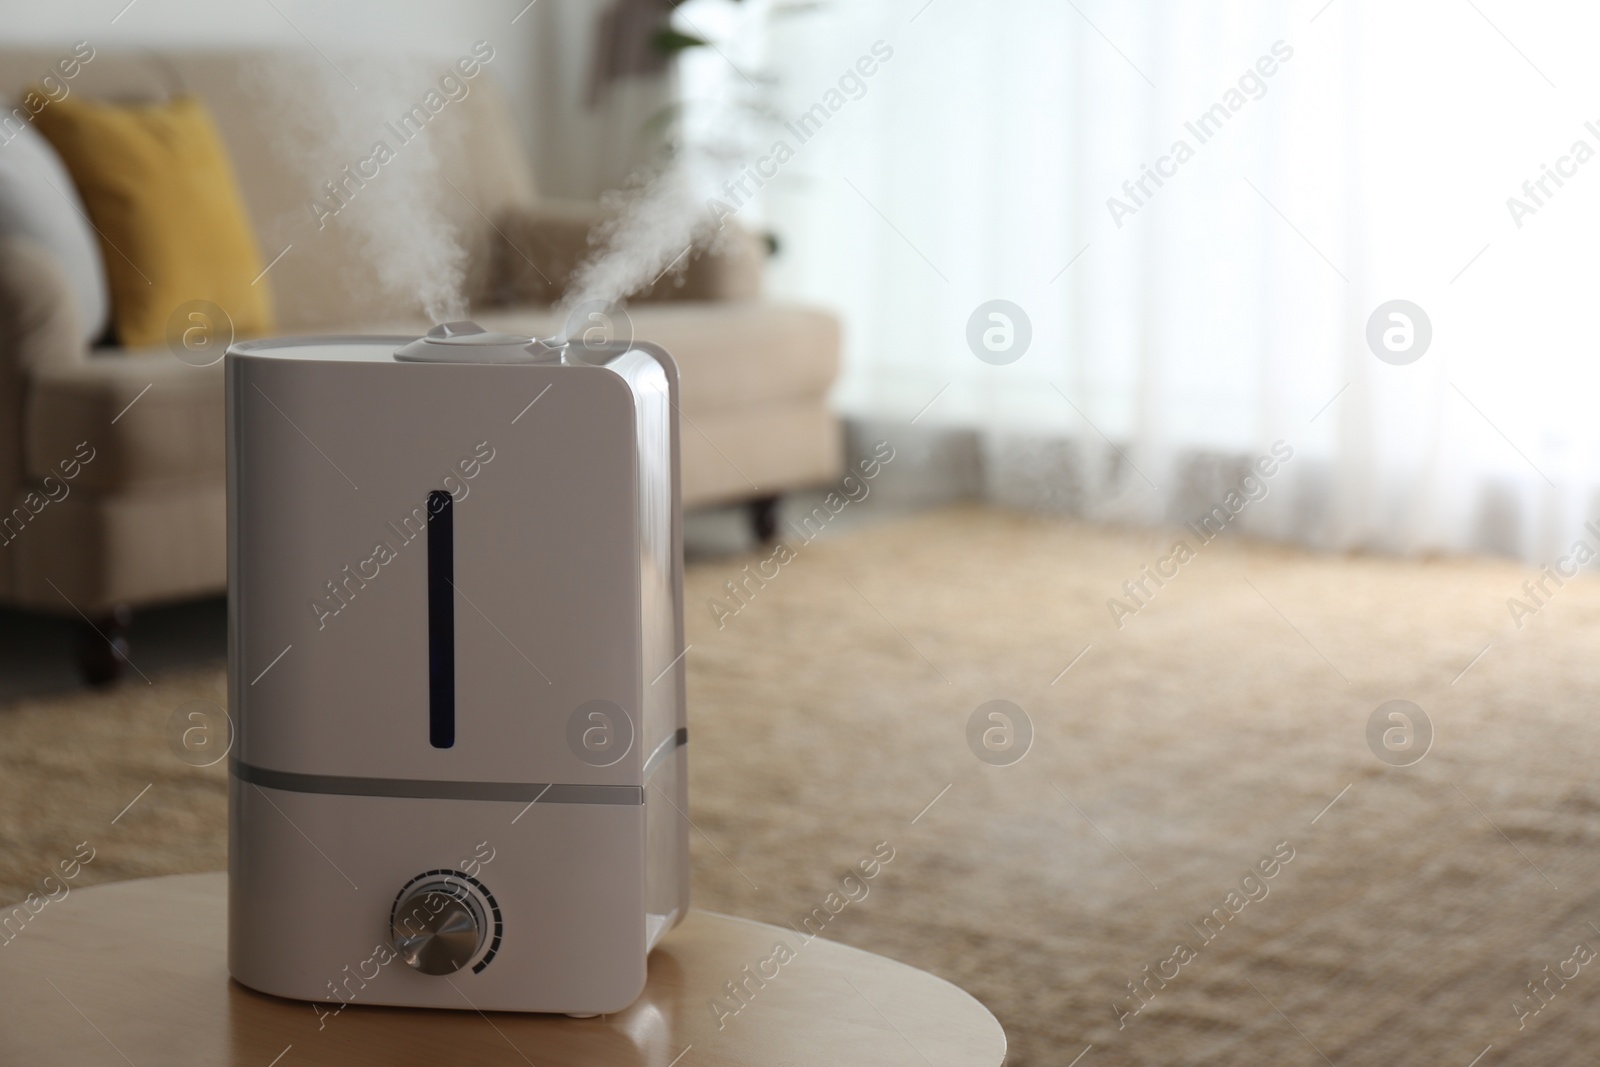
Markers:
(102, 646)
(764, 517)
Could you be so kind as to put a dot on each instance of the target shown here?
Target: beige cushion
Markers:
(542, 245)
(171, 436)
(730, 354)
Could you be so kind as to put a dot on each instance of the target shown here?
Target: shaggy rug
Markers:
(1199, 858)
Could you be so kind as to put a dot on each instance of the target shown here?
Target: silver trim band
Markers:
(420, 789)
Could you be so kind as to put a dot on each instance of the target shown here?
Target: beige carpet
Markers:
(1172, 758)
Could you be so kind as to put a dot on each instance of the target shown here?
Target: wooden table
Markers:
(136, 973)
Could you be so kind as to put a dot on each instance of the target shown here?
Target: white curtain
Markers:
(1229, 309)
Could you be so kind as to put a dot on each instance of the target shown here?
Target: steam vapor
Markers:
(422, 262)
(650, 226)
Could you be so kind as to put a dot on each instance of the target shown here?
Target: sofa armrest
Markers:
(547, 241)
(38, 328)
(148, 419)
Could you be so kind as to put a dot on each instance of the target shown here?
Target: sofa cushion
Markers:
(151, 420)
(158, 184)
(544, 244)
(38, 200)
(730, 354)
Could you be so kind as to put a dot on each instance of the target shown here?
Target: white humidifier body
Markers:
(455, 670)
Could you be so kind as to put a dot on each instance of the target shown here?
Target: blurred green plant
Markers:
(665, 124)
(670, 42)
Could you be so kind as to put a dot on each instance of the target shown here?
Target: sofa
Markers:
(144, 522)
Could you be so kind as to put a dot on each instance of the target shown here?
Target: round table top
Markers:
(136, 972)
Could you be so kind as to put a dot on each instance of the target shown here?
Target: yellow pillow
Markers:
(156, 182)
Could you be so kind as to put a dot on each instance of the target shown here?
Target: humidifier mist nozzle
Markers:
(467, 342)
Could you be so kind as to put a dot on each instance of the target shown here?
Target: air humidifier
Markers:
(456, 670)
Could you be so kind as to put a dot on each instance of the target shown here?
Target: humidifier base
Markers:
(437, 903)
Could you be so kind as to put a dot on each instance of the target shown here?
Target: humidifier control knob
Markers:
(438, 927)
